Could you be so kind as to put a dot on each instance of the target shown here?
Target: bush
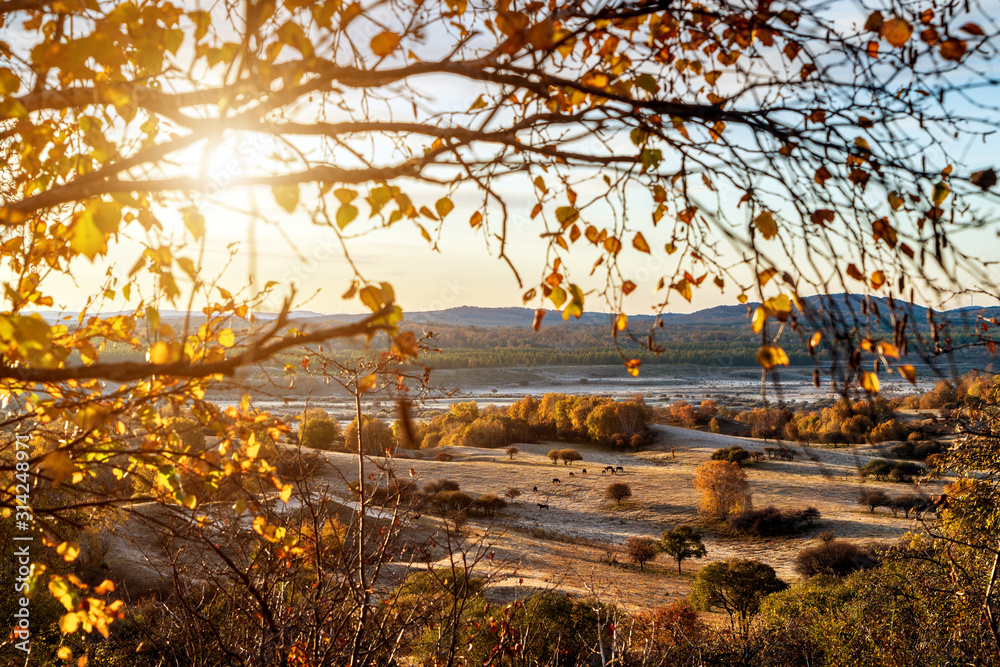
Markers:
(567, 456)
(877, 468)
(440, 485)
(835, 558)
(454, 501)
(443, 457)
(771, 521)
(512, 493)
(488, 505)
(377, 437)
(319, 433)
(734, 454)
(905, 471)
(618, 491)
(640, 550)
(873, 500)
(512, 451)
(724, 489)
(554, 455)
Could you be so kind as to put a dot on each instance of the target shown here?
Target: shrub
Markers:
(319, 433)
(457, 501)
(737, 587)
(877, 468)
(512, 493)
(553, 455)
(512, 451)
(771, 521)
(440, 485)
(713, 425)
(488, 504)
(443, 457)
(734, 454)
(377, 437)
(567, 456)
(835, 558)
(724, 488)
(640, 550)
(873, 500)
(618, 491)
(681, 543)
(905, 471)
(910, 502)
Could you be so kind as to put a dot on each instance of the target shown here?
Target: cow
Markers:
(571, 474)
(584, 471)
(604, 472)
(541, 506)
(535, 489)
(620, 469)
(555, 480)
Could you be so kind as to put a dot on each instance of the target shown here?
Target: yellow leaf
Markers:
(443, 206)
(226, 338)
(639, 243)
(778, 307)
(622, 322)
(941, 192)
(896, 31)
(69, 551)
(889, 350)
(367, 383)
(878, 279)
(759, 318)
(69, 623)
(742, 298)
(632, 366)
(286, 493)
(10, 83)
(165, 353)
(195, 223)
(766, 225)
(770, 356)
(87, 238)
(869, 382)
(58, 466)
(909, 372)
(287, 196)
(814, 340)
(385, 43)
(64, 652)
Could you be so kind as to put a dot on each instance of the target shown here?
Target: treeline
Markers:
(553, 417)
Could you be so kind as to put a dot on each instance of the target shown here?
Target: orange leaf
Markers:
(909, 372)
(896, 31)
(639, 243)
(869, 382)
(385, 43)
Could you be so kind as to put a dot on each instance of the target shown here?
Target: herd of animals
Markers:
(555, 480)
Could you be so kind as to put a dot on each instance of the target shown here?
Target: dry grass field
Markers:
(564, 547)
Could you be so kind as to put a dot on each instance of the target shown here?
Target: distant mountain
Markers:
(473, 316)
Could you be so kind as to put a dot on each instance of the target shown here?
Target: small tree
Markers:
(724, 488)
(512, 493)
(618, 491)
(873, 500)
(640, 550)
(680, 543)
(319, 433)
(569, 455)
(737, 587)
(512, 451)
(554, 455)
(877, 468)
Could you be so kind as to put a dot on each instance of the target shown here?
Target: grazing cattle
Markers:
(535, 489)
(604, 472)
(571, 474)
(584, 471)
(555, 480)
(541, 506)
(620, 469)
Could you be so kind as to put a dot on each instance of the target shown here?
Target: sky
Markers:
(286, 248)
